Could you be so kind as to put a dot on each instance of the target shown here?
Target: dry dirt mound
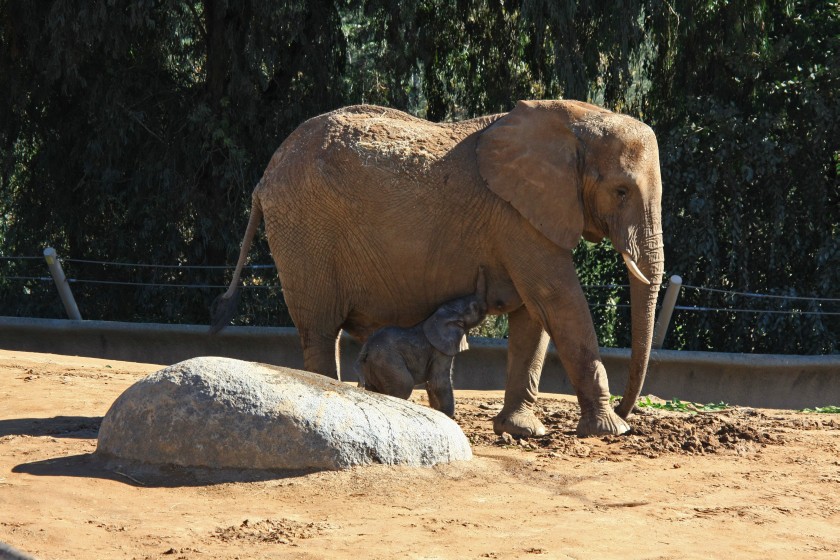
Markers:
(654, 433)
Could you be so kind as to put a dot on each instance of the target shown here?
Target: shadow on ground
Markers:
(80, 427)
(95, 465)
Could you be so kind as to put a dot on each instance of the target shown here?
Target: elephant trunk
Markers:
(643, 298)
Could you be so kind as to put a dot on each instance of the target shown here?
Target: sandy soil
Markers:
(743, 483)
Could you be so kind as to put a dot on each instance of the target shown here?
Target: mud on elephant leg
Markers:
(527, 346)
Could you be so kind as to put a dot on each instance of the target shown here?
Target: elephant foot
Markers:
(520, 423)
(602, 423)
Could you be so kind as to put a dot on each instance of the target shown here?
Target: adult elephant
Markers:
(375, 218)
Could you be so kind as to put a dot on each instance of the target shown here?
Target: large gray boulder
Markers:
(224, 413)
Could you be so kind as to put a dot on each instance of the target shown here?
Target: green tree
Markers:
(135, 132)
(445, 60)
(748, 139)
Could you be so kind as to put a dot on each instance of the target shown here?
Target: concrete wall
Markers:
(744, 379)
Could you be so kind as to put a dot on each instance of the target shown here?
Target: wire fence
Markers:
(177, 267)
(607, 301)
(205, 286)
(129, 283)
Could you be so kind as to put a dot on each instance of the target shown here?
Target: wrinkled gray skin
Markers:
(394, 359)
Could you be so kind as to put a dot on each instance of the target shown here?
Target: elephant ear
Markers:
(531, 158)
(444, 331)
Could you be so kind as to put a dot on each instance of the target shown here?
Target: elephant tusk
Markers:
(634, 269)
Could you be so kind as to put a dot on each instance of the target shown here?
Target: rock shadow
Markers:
(140, 475)
(79, 427)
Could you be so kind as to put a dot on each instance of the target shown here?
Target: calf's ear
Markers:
(444, 333)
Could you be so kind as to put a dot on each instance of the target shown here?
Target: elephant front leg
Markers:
(597, 417)
(527, 344)
(439, 386)
(577, 347)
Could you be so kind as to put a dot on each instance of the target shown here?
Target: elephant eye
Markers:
(621, 193)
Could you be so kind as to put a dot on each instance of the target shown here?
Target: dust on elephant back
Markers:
(392, 140)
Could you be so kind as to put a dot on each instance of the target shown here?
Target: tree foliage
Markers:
(135, 131)
(749, 148)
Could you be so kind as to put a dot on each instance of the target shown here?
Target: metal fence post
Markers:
(62, 284)
(660, 329)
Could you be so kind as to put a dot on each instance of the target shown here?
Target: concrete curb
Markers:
(761, 380)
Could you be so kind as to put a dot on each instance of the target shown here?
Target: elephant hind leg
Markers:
(388, 374)
(317, 315)
(320, 351)
(400, 384)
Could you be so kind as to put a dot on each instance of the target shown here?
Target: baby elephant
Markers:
(394, 360)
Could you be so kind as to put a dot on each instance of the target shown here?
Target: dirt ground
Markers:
(743, 483)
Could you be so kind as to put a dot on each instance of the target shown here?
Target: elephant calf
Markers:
(394, 359)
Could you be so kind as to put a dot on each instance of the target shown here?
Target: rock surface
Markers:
(225, 413)
(9, 553)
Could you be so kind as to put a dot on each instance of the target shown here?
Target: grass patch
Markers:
(822, 410)
(677, 405)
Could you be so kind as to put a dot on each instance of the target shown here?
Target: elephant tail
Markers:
(223, 308)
